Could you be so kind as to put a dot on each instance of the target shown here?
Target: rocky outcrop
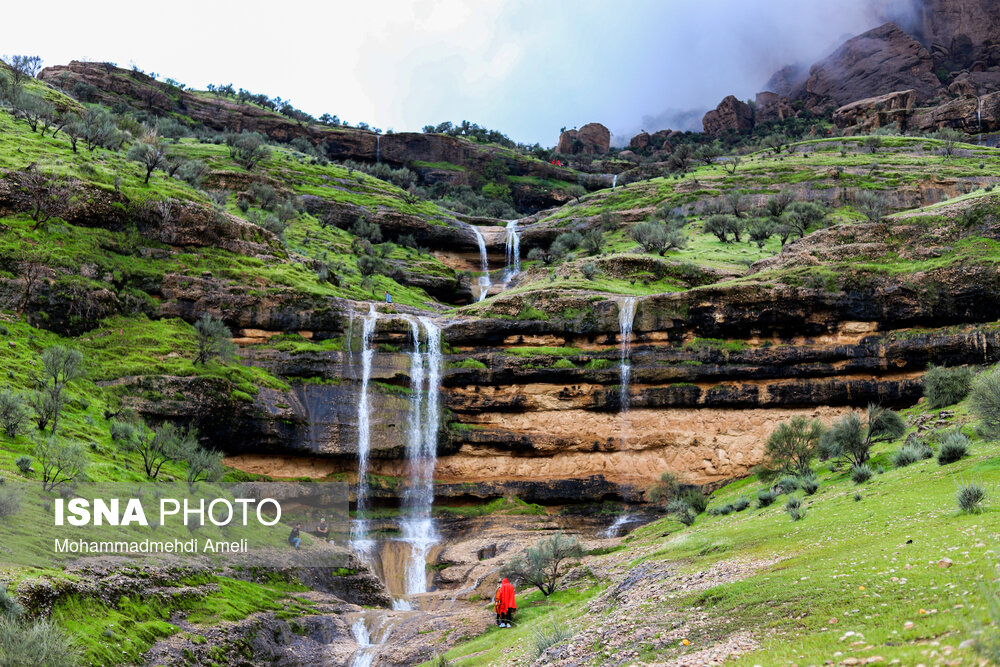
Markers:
(731, 115)
(591, 139)
(787, 80)
(875, 112)
(880, 61)
(944, 20)
(969, 114)
(771, 106)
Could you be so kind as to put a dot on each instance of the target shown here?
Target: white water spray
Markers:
(626, 314)
(359, 528)
(513, 251)
(615, 529)
(369, 639)
(418, 496)
(614, 182)
(484, 277)
(378, 148)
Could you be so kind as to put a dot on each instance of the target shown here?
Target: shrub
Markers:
(10, 501)
(741, 504)
(765, 497)
(697, 500)
(681, 511)
(848, 440)
(954, 446)
(541, 565)
(794, 444)
(39, 643)
(985, 402)
(971, 497)
(589, 270)
(797, 513)
(947, 386)
(13, 413)
(793, 503)
(61, 462)
(787, 484)
(911, 453)
(546, 638)
(665, 489)
(9, 606)
(857, 497)
(657, 237)
(23, 464)
(861, 473)
(725, 510)
(809, 485)
(214, 341)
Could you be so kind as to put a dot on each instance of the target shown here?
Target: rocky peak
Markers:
(730, 115)
(944, 21)
(591, 139)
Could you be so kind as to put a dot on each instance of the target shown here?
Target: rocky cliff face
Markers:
(944, 20)
(591, 139)
(731, 115)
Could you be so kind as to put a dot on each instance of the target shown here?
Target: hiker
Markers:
(388, 298)
(293, 537)
(504, 604)
(322, 529)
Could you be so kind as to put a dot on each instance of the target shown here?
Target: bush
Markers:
(664, 490)
(10, 501)
(765, 497)
(38, 643)
(13, 413)
(214, 341)
(985, 402)
(589, 270)
(911, 453)
(725, 510)
(23, 464)
(541, 565)
(794, 444)
(848, 440)
(793, 503)
(954, 447)
(861, 473)
(947, 386)
(797, 513)
(9, 606)
(809, 485)
(546, 638)
(787, 484)
(697, 500)
(681, 511)
(971, 497)
(657, 237)
(741, 504)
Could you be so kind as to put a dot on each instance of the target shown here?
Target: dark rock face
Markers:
(787, 80)
(875, 112)
(591, 139)
(968, 114)
(880, 61)
(731, 115)
(944, 20)
(771, 106)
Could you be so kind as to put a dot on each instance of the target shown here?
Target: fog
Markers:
(524, 67)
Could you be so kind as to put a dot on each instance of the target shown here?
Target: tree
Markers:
(98, 128)
(721, 226)
(732, 164)
(23, 67)
(777, 204)
(61, 462)
(793, 445)
(13, 413)
(802, 215)
(593, 241)
(541, 565)
(60, 366)
(248, 148)
(657, 237)
(949, 138)
(680, 159)
(204, 464)
(871, 204)
(160, 445)
(664, 490)
(873, 143)
(760, 230)
(851, 441)
(214, 340)
(775, 142)
(575, 191)
(985, 402)
(32, 109)
(149, 153)
(735, 203)
(47, 194)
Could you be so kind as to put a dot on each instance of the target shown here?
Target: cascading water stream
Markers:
(418, 496)
(360, 541)
(378, 148)
(615, 528)
(484, 277)
(513, 251)
(370, 638)
(614, 182)
(626, 314)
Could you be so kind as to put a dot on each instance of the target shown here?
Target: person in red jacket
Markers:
(504, 604)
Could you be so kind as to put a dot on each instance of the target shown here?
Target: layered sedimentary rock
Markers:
(875, 112)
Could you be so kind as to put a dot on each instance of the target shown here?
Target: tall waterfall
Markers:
(378, 148)
(626, 314)
(484, 277)
(422, 441)
(359, 528)
(513, 243)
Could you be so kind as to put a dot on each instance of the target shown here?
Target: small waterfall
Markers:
(378, 148)
(359, 528)
(614, 530)
(474, 586)
(513, 252)
(418, 496)
(979, 115)
(370, 638)
(484, 277)
(626, 314)
(614, 182)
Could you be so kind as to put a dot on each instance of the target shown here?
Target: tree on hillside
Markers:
(657, 237)
(60, 366)
(760, 230)
(248, 148)
(732, 164)
(149, 153)
(872, 205)
(161, 445)
(777, 204)
(949, 138)
(47, 194)
(850, 440)
(61, 462)
(541, 565)
(214, 340)
(794, 444)
(721, 226)
(802, 215)
(23, 67)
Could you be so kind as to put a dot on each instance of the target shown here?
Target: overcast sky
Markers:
(524, 67)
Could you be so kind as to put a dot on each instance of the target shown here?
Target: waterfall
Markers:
(614, 530)
(614, 182)
(513, 251)
(359, 529)
(626, 314)
(378, 148)
(418, 496)
(369, 639)
(484, 278)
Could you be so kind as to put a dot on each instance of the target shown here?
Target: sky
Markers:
(525, 67)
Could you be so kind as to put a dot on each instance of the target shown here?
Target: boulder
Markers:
(731, 115)
(874, 112)
(973, 84)
(591, 139)
(880, 61)
(639, 142)
(771, 106)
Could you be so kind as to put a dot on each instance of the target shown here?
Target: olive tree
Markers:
(851, 441)
(794, 444)
(542, 565)
(61, 462)
(150, 154)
